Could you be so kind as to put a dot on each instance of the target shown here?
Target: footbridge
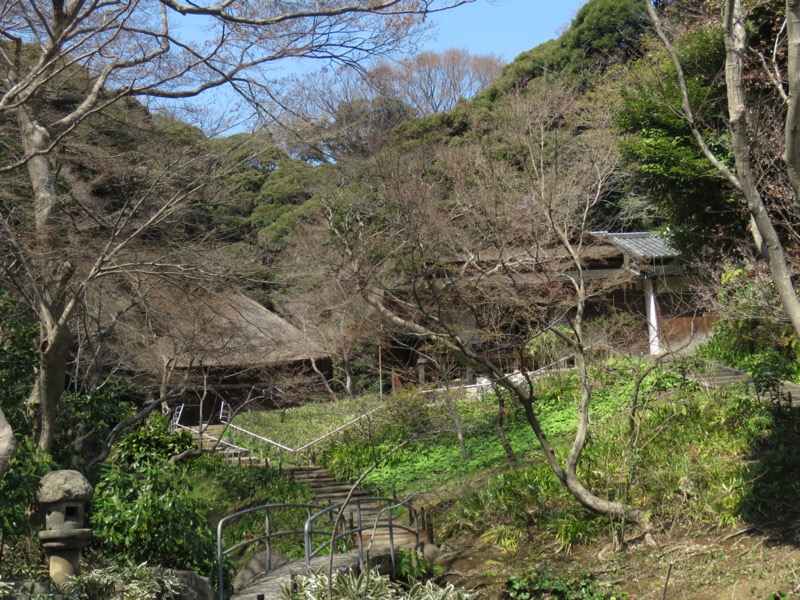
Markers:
(353, 534)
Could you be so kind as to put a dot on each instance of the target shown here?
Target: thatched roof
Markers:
(192, 329)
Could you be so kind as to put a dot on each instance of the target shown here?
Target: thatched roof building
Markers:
(214, 346)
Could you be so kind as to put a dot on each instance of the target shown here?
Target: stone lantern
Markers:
(63, 494)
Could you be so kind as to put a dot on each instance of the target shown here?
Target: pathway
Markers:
(379, 534)
(718, 375)
(328, 490)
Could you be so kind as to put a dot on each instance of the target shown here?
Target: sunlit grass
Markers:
(297, 426)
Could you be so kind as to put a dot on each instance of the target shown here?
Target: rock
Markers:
(23, 589)
(195, 587)
(256, 566)
(64, 486)
(431, 552)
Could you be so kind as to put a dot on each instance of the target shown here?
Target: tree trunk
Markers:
(771, 248)
(8, 444)
(765, 237)
(349, 380)
(501, 432)
(50, 383)
(462, 444)
(55, 337)
(36, 143)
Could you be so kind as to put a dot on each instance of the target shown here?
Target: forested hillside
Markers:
(421, 225)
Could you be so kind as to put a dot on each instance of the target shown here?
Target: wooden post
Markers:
(119, 590)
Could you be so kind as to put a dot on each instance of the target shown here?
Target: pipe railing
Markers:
(295, 452)
(357, 527)
(203, 434)
(354, 527)
(267, 538)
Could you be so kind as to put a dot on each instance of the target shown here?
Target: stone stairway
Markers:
(716, 375)
(329, 490)
(233, 453)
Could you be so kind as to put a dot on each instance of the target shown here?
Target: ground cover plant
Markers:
(546, 585)
(139, 582)
(686, 455)
(432, 456)
(370, 584)
(297, 426)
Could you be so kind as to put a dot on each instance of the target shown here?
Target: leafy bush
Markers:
(547, 585)
(369, 584)
(140, 582)
(148, 515)
(412, 565)
(143, 508)
(151, 442)
(84, 420)
(19, 486)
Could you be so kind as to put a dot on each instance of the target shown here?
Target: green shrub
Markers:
(547, 585)
(369, 584)
(140, 582)
(148, 515)
(19, 486)
(84, 420)
(151, 442)
(411, 565)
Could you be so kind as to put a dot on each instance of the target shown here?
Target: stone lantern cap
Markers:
(64, 486)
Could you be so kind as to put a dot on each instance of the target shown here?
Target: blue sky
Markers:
(504, 27)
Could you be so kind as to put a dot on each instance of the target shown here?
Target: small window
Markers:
(72, 512)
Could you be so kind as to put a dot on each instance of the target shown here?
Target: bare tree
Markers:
(477, 249)
(352, 110)
(433, 82)
(62, 62)
(744, 176)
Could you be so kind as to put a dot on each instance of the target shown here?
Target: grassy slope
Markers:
(699, 462)
(300, 425)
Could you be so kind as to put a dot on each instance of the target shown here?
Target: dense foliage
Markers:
(143, 509)
(603, 33)
(369, 584)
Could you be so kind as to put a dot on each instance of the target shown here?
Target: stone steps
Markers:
(329, 490)
(227, 449)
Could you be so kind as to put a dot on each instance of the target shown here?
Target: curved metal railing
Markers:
(268, 537)
(355, 526)
(349, 521)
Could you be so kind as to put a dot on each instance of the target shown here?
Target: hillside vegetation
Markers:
(417, 247)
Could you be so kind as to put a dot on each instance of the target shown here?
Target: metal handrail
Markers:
(268, 536)
(356, 530)
(337, 430)
(211, 437)
(359, 527)
(296, 451)
(176, 417)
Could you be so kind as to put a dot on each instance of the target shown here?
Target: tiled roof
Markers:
(643, 245)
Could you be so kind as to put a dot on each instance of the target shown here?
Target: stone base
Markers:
(195, 587)
(64, 564)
